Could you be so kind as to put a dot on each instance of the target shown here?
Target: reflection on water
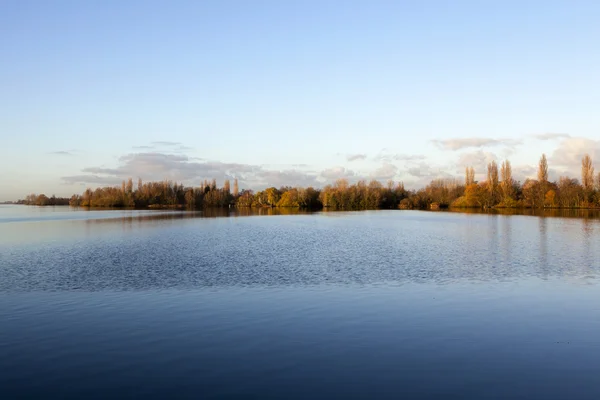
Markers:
(543, 229)
(12, 213)
(380, 304)
(213, 248)
(545, 212)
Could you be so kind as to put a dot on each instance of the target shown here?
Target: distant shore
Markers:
(498, 191)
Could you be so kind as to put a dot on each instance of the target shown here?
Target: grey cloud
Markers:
(478, 160)
(99, 170)
(159, 166)
(385, 172)
(425, 173)
(551, 136)
(464, 143)
(166, 143)
(62, 153)
(420, 171)
(337, 173)
(143, 147)
(285, 178)
(522, 172)
(91, 179)
(184, 148)
(356, 157)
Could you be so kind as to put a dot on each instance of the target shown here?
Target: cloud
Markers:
(551, 136)
(286, 178)
(567, 156)
(177, 167)
(464, 143)
(477, 159)
(91, 179)
(175, 147)
(100, 170)
(62, 153)
(409, 157)
(166, 143)
(386, 157)
(356, 157)
(420, 171)
(335, 173)
(385, 172)
(522, 172)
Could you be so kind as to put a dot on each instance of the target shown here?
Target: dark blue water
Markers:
(386, 304)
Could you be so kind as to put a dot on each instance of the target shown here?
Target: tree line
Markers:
(43, 200)
(498, 190)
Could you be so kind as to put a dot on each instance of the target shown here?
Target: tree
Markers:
(542, 173)
(289, 199)
(492, 183)
(549, 198)
(236, 189)
(273, 196)
(587, 173)
(507, 181)
(570, 192)
(469, 176)
(129, 187)
(226, 187)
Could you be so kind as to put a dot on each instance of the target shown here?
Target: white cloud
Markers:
(566, 158)
(464, 143)
(551, 136)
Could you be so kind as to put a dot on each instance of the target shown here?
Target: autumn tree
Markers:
(129, 187)
(469, 176)
(587, 176)
(236, 189)
(507, 181)
(570, 193)
(542, 173)
(492, 183)
(226, 186)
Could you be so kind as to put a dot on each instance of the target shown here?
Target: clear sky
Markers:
(284, 92)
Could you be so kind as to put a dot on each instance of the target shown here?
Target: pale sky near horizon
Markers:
(282, 92)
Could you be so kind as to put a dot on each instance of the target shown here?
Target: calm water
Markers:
(383, 304)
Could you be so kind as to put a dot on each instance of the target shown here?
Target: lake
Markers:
(372, 304)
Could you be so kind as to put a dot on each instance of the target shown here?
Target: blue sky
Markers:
(304, 92)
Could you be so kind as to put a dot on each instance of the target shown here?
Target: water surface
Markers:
(380, 304)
